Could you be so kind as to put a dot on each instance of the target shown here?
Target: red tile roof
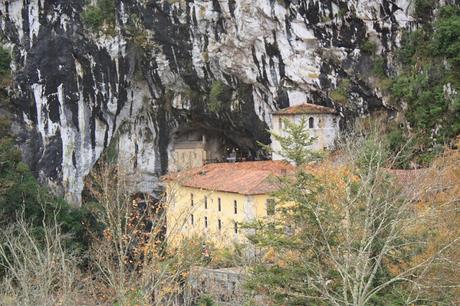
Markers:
(306, 108)
(249, 178)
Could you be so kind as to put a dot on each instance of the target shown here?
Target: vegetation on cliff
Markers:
(103, 12)
(427, 89)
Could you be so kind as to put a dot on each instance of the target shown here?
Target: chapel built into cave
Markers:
(322, 124)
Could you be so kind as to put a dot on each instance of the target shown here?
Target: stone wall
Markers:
(223, 285)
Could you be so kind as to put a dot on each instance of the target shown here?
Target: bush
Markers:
(368, 47)
(92, 17)
(446, 40)
(95, 16)
(340, 94)
(384, 83)
(401, 147)
(408, 48)
(378, 68)
(5, 76)
(22, 195)
(206, 300)
(5, 61)
(424, 8)
(219, 94)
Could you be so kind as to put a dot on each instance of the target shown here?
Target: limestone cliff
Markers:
(157, 70)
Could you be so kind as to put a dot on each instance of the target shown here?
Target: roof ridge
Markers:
(306, 108)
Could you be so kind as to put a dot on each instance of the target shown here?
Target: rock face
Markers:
(217, 66)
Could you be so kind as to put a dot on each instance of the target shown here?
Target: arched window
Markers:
(311, 122)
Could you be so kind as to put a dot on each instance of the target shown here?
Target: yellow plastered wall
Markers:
(180, 210)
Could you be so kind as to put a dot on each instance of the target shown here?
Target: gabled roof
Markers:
(248, 178)
(306, 108)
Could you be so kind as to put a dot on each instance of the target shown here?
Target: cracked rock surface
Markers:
(151, 76)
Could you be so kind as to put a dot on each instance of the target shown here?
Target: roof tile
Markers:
(249, 178)
(306, 108)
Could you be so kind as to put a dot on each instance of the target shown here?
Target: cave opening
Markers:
(197, 147)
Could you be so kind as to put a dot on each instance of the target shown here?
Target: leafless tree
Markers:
(132, 256)
(38, 271)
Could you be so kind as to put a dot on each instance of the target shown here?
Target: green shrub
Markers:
(400, 146)
(384, 83)
(424, 8)
(408, 48)
(219, 95)
(205, 300)
(111, 152)
(446, 39)
(5, 125)
(340, 94)
(5, 75)
(368, 47)
(343, 11)
(378, 68)
(94, 16)
(21, 194)
(5, 61)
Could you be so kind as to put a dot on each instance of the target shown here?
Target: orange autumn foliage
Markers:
(441, 202)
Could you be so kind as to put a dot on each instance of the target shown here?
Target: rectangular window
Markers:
(219, 224)
(205, 202)
(235, 206)
(235, 228)
(191, 199)
(270, 207)
(192, 221)
(219, 205)
(205, 222)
